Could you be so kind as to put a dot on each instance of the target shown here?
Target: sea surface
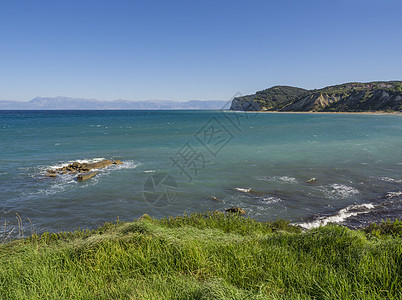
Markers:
(179, 162)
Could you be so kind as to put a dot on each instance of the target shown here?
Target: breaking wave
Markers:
(343, 191)
(243, 190)
(391, 195)
(270, 200)
(340, 216)
(64, 164)
(336, 191)
(388, 179)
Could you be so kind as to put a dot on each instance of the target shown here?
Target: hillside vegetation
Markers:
(205, 256)
(348, 97)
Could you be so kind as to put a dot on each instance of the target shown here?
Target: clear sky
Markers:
(182, 50)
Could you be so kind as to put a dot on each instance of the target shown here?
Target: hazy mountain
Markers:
(348, 97)
(54, 103)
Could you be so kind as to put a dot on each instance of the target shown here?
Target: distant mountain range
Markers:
(65, 103)
(384, 96)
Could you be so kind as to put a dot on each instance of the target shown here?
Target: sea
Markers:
(309, 168)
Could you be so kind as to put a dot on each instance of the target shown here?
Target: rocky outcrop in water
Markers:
(348, 97)
(236, 210)
(83, 169)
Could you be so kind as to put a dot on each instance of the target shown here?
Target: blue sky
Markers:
(182, 50)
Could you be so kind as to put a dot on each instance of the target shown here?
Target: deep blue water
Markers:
(356, 160)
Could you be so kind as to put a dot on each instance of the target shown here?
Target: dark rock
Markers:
(236, 210)
(77, 167)
(311, 180)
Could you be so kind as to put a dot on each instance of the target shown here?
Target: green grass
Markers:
(205, 256)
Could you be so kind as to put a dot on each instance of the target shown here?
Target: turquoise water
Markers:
(257, 161)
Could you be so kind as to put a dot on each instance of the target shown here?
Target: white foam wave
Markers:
(388, 179)
(288, 179)
(343, 191)
(64, 164)
(271, 200)
(393, 194)
(55, 188)
(149, 171)
(243, 190)
(280, 179)
(127, 164)
(340, 216)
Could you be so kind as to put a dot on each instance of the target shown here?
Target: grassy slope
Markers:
(205, 256)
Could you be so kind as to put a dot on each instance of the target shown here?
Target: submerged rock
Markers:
(117, 162)
(236, 210)
(311, 180)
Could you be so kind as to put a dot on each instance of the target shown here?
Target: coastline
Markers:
(322, 112)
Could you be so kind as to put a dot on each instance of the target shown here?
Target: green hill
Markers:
(348, 97)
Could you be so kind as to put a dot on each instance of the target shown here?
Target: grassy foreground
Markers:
(205, 256)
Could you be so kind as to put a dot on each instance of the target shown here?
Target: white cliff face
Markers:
(356, 101)
(313, 102)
